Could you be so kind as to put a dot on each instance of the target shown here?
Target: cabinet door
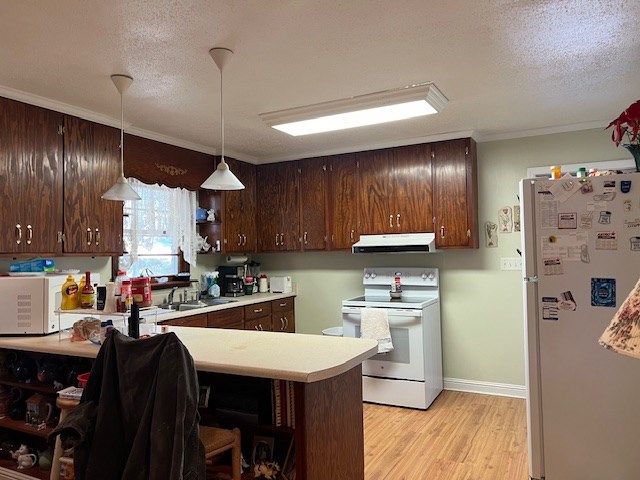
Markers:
(227, 318)
(233, 214)
(313, 203)
(377, 212)
(248, 207)
(344, 201)
(283, 316)
(455, 196)
(198, 320)
(412, 195)
(290, 206)
(262, 324)
(268, 208)
(30, 168)
(91, 167)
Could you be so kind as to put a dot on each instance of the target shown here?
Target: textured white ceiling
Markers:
(508, 67)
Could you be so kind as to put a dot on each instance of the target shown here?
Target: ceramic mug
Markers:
(27, 460)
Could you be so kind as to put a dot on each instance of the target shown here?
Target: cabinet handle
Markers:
(305, 238)
(286, 323)
(244, 239)
(391, 221)
(442, 231)
(282, 324)
(89, 236)
(257, 310)
(398, 220)
(260, 327)
(97, 237)
(239, 240)
(277, 243)
(29, 234)
(256, 327)
(18, 234)
(282, 239)
(283, 305)
(351, 235)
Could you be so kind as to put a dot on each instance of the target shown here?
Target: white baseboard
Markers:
(486, 388)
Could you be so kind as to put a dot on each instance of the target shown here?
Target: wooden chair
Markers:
(219, 440)
(65, 405)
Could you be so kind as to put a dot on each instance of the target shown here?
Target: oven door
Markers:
(406, 360)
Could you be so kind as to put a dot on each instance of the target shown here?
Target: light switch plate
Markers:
(510, 263)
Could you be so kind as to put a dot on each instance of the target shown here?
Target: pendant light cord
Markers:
(121, 135)
(221, 117)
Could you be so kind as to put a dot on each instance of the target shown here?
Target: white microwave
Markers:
(28, 305)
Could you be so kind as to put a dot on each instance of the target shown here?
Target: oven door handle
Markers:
(391, 312)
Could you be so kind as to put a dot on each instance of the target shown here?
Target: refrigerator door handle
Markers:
(533, 279)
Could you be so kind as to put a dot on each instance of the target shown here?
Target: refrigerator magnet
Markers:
(635, 244)
(552, 266)
(628, 205)
(586, 220)
(567, 302)
(632, 223)
(603, 292)
(586, 186)
(605, 217)
(606, 240)
(568, 220)
(625, 186)
(550, 308)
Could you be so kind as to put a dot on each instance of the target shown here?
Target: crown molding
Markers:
(510, 135)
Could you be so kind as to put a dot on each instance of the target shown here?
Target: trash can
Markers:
(333, 331)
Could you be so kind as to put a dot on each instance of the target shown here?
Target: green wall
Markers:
(482, 321)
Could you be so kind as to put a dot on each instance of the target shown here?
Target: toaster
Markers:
(281, 284)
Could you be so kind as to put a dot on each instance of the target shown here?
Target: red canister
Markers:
(141, 291)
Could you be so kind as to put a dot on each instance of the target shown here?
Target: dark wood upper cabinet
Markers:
(91, 166)
(455, 193)
(343, 201)
(313, 203)
(30, 179)
(412, 193)
(239, 211)
(278, 211)
(395, 192)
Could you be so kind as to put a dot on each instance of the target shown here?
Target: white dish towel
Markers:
(374, 323)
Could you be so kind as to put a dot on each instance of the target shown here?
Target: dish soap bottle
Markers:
(70, 296)
(214, 289)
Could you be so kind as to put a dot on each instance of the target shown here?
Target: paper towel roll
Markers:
(237, 259)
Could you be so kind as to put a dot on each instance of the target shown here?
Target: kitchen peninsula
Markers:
(325, 371)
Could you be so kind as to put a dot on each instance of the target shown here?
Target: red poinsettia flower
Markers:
(627, 123)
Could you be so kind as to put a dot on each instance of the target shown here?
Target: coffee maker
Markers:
(230, 280)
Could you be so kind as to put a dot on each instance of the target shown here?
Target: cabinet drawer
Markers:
(199, 320)
(282, 305)
(257, 310)
(261, 324)
(228, 318)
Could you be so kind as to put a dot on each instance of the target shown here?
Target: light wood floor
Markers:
(462, 436)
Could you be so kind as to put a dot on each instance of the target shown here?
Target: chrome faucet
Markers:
(170, 296)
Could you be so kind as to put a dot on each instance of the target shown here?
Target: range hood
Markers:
(396, 243)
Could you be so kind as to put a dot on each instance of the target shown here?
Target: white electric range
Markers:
(411, 374)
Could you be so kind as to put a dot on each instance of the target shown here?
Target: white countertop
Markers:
(286, 356)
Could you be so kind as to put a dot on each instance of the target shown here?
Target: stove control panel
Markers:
(417, 276)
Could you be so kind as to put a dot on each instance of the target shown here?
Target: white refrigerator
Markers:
(581, 251)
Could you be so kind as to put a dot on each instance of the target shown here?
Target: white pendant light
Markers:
(121, 190)
(222, 178)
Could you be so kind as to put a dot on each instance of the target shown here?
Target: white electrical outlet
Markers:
(510, 263)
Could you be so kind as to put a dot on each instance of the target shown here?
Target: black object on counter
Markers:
(102, 296)
(134, 321)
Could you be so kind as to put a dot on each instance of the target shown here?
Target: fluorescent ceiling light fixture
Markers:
(370, 109)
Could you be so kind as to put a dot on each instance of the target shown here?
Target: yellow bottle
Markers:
(83, 282)
(70, 294)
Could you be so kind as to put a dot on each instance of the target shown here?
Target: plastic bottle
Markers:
(214, 289)
(120, 298)
(70, 295)
(582, 172)
(556, 173)
(110, 300)
(263, 284)
(126, 295)
(81, 284)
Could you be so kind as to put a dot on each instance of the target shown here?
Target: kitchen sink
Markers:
(193, 305)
